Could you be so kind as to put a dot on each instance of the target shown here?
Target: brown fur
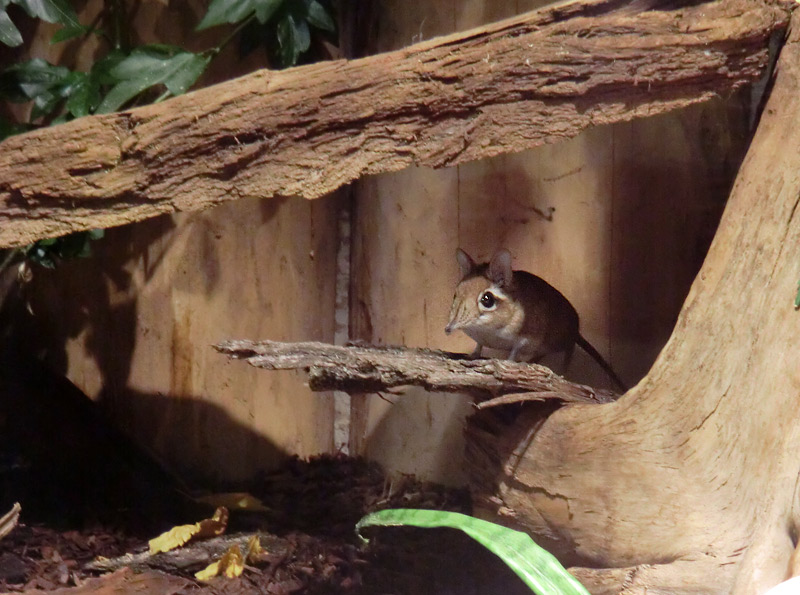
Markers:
(527, 316)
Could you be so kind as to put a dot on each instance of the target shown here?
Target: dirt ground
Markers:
(88, 491)
(307, 531)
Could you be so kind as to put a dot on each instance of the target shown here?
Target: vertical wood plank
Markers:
(133, 327)
(633, 208)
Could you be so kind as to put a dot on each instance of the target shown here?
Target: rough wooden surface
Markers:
(306, 131)
(689, 481)
(131, 325)
(367, 368)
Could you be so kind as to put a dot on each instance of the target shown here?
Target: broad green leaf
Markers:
(82, 96)
(226, 11)
(144, 61)
(266, 8)
(69, 32)
(293, 38)
(318, 17)
(302, 36)
(286, 47)
(148, 66)
(534, 565)
(121, 94)
(186, 68)
(28, 80)
(52, 11)
(44, 103)
(101, 70)
(9, 34)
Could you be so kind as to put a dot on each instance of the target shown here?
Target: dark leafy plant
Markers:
(52, 11)
(283, 27)
(127, 76)
(50, 251)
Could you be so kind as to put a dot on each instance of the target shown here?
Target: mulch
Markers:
(308, 533)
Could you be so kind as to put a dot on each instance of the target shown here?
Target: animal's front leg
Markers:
(476, 353)
(519, 345)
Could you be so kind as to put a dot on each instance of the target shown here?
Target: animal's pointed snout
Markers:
(449, 328)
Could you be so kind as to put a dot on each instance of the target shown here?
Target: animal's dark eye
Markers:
(488, 299)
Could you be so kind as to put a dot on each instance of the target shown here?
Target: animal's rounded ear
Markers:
(500, 268)
(465, 262)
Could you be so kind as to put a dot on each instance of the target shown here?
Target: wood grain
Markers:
(688, 483)
(370, 368)
(513, 85)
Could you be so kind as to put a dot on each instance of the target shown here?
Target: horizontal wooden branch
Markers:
(368, 368)
(306, 131)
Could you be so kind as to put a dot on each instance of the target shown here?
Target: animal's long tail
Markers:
(587, 347)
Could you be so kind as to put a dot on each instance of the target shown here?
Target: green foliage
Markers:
(534, 565)
(52, 11)
(284, 27)
(50, 251)
(148, 66)
(126, 77)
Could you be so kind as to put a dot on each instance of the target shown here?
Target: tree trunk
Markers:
(306, 131)
(689, 482)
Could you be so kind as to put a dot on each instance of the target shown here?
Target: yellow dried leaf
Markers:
(208, 572)
(216, 525)
(178, 536)
(254, 549)
(232, 562)
(173, 538)
(234, 501)
(230, 565)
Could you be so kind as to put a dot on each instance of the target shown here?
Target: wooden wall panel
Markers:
(634, 206)
(133, 325)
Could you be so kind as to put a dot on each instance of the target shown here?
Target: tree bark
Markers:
(367, 368)
(689, 482)
(516, 84)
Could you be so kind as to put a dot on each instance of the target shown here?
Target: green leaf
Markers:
(101, 70)
(44, 103)
(226, 11)
(266, 8)
(186, 69)
(302, 36)
(318, 17)
(69, 32)
(534, 565)
(52, 11)
(82, 96)
(32, 80)
(152, 65)
(50, 251)
(9, 34)
(293, 39)
(121, 94)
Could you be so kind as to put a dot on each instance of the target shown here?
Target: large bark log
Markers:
(306, 131)
(689, 482)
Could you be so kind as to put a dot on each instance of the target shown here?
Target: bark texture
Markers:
(306, 131)
(689, 482)
(367, 368)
